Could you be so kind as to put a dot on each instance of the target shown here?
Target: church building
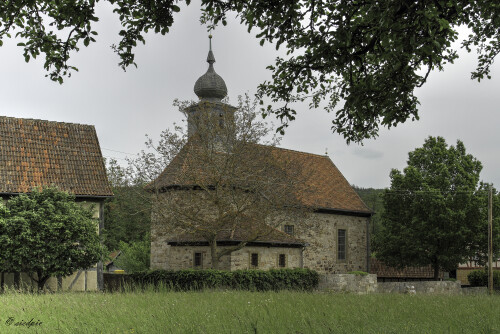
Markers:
(333, 238)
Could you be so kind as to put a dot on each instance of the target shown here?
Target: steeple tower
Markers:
(211, 89)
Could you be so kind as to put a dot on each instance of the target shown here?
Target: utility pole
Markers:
(490, 241)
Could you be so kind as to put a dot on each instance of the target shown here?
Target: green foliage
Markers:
(432, 210)
(128, 216)
(128, 212)
(373, 199)
(480, 278)
(134, 256)
(358, 273)
(47, 233)
(364, 57)
(254, 280)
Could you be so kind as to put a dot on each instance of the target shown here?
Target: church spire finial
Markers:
(210, 57)
(210, 86)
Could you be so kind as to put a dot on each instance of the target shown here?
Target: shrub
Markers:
(134, 256)
(253, 280)
(480, 278)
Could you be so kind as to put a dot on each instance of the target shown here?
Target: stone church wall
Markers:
(320, 231)
(268, 257)
(182, 257)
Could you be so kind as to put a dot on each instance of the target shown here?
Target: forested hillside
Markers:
(373, 199)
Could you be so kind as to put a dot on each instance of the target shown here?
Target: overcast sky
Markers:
(124, 106)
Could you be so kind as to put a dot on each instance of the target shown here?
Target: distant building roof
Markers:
(327, 188)
(384, 271)
(112, 257)
(37, 153)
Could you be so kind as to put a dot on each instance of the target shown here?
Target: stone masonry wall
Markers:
(182, 257)
(348, 283)
(320, 231)
(268, 257)
(368, 284)
(448, 287)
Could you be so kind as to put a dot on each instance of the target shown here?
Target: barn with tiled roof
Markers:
(36, 153)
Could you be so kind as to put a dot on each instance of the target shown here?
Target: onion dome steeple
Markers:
(210, 86)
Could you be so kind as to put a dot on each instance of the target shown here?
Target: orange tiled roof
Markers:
(384, 271)
(37, 153)
(327, 188)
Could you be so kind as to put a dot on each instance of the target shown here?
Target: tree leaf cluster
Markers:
(364, 58)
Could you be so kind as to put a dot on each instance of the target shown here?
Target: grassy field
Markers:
(247, 312)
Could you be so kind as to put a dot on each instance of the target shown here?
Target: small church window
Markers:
(288, 229)
(254, 260)
(198, 260)
(282, 261)
(221, 120)
(341, 244)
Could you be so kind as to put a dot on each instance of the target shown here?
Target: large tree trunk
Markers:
(435, 266)
(17, 280)
(213, 254)
(41, 280)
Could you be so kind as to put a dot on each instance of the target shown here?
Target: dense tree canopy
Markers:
(128, 212)
(373, 199)
(434, 212)
(365, 58)
(46, 233)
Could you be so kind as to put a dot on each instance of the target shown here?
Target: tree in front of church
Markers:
(434, 211)
(225, 181)
(46, 233)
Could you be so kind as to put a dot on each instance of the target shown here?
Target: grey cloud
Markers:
(367, 153)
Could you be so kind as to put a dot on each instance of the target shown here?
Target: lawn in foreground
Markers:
(247, 312)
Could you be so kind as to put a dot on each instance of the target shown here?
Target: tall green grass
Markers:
(249, 312)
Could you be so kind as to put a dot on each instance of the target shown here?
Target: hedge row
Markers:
(254, 280)
(480, 278)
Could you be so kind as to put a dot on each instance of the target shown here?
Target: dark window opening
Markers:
(282, 261)
(221, 120)
(254, 260)
(289, 229)
(198, 259)
(341, 244)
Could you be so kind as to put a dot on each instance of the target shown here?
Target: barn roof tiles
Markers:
(37, 153)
